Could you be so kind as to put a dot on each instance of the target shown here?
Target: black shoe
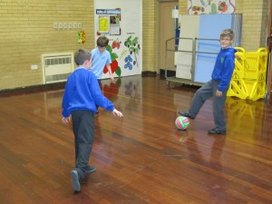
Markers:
(75, 180)
(186, 114)
(216, 132)
(91, 169)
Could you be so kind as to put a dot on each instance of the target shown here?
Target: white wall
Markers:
(130, 24)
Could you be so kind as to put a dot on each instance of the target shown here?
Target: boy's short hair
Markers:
(81, 55)
(227, 33)
(102, 41)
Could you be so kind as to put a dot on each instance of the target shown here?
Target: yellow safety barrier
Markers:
(249, 76)
(255, 64)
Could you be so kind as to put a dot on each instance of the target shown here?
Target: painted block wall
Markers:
(150, 26)
(27, 32)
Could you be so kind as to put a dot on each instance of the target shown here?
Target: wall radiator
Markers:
(57, 67)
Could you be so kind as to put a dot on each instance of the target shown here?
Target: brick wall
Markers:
(150, 17)
(27, 32)
(254, 23)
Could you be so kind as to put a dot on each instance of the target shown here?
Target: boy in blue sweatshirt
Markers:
(81, 96)
(217, 87)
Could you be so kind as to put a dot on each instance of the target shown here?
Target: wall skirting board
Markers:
(170, 73)
(149, 74)
(32, 89)
(51, 86)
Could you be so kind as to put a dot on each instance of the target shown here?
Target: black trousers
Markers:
(83, 128)
(100, 85)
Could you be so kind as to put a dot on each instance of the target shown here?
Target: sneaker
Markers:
(75, 181)
(91, 169)
(214, 131)
(186, 114)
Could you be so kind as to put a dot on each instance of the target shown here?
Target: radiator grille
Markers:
(57, 67)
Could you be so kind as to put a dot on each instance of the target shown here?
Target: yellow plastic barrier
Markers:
(257, 89)
(249, 76)
(238, 89)
(237, 86)
(255, 64)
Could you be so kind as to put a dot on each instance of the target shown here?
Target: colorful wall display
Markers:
(121, 22)
(211, 6)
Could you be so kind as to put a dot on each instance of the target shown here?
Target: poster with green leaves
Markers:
(124, 31)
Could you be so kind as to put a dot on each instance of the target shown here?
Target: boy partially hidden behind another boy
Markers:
(217, 87)
(101, 58)
(81, 96)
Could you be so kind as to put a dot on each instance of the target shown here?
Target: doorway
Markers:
(166, 31)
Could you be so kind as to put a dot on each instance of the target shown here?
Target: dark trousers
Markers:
(83, 128)
(100, 85)
(207, 91)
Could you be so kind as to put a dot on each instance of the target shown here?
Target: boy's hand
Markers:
(117, 113)
(66, 120)
(218, 93)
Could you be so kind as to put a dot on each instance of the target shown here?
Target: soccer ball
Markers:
(182, 122)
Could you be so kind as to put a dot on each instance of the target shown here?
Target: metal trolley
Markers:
(194, 53)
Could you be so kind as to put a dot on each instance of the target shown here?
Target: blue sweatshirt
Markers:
(224, 67)
(82, 92)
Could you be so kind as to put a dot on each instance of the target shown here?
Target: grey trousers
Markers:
(207, 91)
(83, 128)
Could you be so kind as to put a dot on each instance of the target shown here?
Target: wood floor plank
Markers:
(141, 158)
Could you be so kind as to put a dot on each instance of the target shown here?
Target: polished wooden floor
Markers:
(141, 158)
